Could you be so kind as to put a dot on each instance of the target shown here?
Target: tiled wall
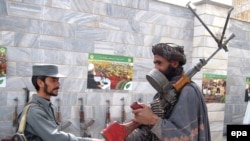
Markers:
(63, 32)
(238, 70)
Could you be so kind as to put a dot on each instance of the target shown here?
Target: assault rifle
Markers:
(118, 132)
(27, 92)
(107, 117)
(123, 113)
(81, 116)
(81, 111)
(84, 126)
(15, 120)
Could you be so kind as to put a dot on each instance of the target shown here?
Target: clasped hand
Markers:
(144, 115)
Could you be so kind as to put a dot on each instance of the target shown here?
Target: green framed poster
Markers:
(247, 90)
(3, 66)
(214, 88)
(109, 72)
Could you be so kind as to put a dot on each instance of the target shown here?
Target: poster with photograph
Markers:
(214, 88)
(247, 90)
(3, 66)
(109, 72)
(246, 119)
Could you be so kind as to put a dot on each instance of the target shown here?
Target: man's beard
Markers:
(51, 92)
(172, 72)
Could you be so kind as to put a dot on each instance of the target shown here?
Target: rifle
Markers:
(107, 118)
(84, 126)
(27, 91)
(15, 120)
(81, 116)
(81, 112)
(123, 113)
(186, 78)
(15, 116)
(118, 132)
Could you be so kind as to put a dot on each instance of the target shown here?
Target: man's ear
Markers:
(174, 64)
(40, 83)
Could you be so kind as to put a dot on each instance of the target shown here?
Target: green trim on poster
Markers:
(248, 79)
(105, 57)
(215, 76)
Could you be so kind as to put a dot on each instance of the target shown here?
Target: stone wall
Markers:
(238, 70)
(63, 32)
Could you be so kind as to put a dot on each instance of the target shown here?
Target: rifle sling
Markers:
(22, 124)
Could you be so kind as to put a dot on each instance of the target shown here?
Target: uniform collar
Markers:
(42, 101)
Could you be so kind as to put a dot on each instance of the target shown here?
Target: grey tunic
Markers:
(188, 120)
(42, 126)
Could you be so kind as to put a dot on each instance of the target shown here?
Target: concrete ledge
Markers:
(215, 107)
(216, 126)
(217, 136)
(216, 116)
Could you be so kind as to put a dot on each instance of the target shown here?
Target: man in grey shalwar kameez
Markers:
(188, 121)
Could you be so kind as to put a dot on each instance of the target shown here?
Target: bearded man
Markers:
(186, 118)
(41, 124)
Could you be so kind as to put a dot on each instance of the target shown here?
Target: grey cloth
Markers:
(188, 120)
(41, 124)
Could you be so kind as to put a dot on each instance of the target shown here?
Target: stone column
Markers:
(214, 17)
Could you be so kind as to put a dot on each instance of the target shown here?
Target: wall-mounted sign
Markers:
(247, 90)
(214, 87)
(109, 72)
(3, 66)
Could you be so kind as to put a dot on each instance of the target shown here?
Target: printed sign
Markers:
(214, 87)
(3, 66)
(109, 72)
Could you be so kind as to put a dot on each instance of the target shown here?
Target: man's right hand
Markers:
(145, 115)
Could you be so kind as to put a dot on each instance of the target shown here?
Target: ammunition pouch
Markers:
(163, 105)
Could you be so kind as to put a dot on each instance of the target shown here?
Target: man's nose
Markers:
(58, 83)
(157, 67)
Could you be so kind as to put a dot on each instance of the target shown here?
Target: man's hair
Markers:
(170, 51)
(34, 81)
